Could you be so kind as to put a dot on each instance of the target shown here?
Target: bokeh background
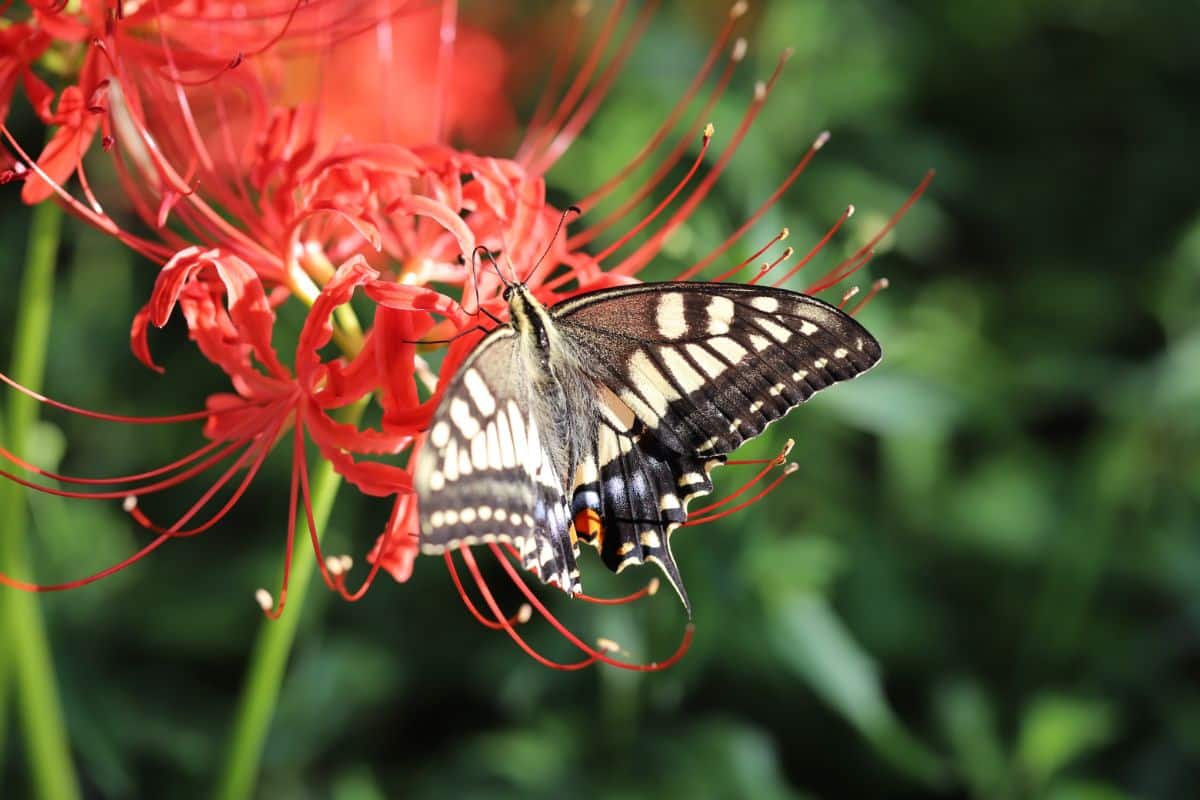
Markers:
(983, 582)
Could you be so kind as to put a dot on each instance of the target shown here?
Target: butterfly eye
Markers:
(508, 290)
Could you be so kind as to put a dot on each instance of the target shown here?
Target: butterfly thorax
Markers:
(535, 328)
(562, 393)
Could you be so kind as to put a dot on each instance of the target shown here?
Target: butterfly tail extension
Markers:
(631, 495)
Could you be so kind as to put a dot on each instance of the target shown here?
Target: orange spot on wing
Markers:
(589, 527)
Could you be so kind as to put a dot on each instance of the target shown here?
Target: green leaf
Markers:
(1086, 790)
(816, 645)
(968, 721)
(1057, 730)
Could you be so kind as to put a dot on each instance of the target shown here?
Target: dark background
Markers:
(984, 580)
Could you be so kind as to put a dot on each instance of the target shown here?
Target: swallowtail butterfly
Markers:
(597, 419)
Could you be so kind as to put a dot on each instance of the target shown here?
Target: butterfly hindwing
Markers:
(631, 493)
(707, 366)
(487, 471)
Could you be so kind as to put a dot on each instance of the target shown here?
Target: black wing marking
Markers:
(707, 366)
(630, 493)
(486, 471)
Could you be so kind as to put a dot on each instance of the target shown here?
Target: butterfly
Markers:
(598, 419)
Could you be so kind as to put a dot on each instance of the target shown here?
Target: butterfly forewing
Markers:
(486, 472)
(706, 366)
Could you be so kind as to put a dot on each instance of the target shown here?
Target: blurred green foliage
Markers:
(983, 582)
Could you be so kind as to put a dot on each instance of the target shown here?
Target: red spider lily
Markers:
(230, 318)
(255, 204)
(20, 46)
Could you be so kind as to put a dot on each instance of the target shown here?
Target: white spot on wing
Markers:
(440, 434)
(760, 342)
(655, 405)
(807, 328)
(479, 392)
(642, 370)
(493, 447)
(585, 472)
(767, 304)
(518, 430)
(670, 317)
(728, 348)
(607, 448)
(778, 332)
(720, 315)
(479, 451)
(650, 539)
(711, 365)
(507, 455)
(460, 412)
(450, 464)
(681, 370)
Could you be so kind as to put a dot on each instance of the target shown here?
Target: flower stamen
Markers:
(700, 520)
(473, 567)
(642, 256)
(666, 201)
(736, 55)
(768, 266)
(767, 204)
(596, 655)
(724, 276)
(523, 614)
(876, 287)
(864, 253)
(649, 590)
(537, 139)
(818, 247)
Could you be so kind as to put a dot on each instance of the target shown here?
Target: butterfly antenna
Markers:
(483, 249)
(561, 221)
(478, 302)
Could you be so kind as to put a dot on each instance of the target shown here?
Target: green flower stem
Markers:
(27, 646)
(268, 662)
(4, 659)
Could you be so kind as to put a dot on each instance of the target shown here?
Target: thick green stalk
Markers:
(35, 690)
(268, 662)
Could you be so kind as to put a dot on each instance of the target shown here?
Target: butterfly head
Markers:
(521, 303)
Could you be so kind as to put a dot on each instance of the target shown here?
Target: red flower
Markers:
(267, 205)
(20, 46)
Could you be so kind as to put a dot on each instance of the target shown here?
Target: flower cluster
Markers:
(262, 182)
